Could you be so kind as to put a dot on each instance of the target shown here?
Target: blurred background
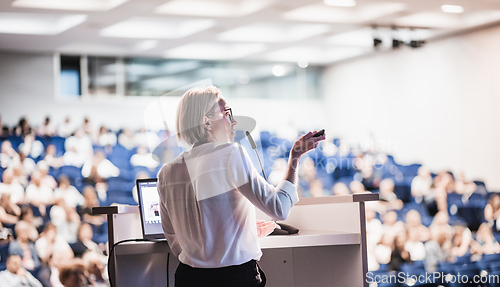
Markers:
(406, 90)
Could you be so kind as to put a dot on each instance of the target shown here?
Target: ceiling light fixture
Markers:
(340, 3)
(303, 64)
(452, 9)
(278, 71)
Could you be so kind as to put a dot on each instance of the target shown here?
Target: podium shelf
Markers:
(307, 238)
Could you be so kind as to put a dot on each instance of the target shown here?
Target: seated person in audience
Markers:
(19, 176)
(492, 212)
(461, 241)
(374, 229)
(384, 248)
(47, 179)
(23, 127)
(441, 222)
(23, 247)
(85, 211)
(443, 185)
(462, 186)
(56, 261)
(126, 139)
(414, 221)
(90, 130)
(72, 274)
(278, 172)
(17, 276)
(5, 234)
(485, 242)
(316, 188)
(33, 222)
(72, 197)
(144, 158)
(8, 155)
(65, 129)
(106, 137)
(307, 173)
(421, 185)
(399, 254)
(414, 245)
(9, 212)
(50, 242)
(12, 187)
(25, 167)
(47, 129)
(357, 187)
(387, 196)
(72, 158)
(80, 144)
(370, 178)
(84, 241)
(391, 225)
(95, 268)
(51, 159)
(66, 219)
(147, 138)
(39, 195)
(340, 189)
(31, 146)
(438, 249)
(99, 169)
(139, 175)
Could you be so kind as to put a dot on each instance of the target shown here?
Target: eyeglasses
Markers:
(230, 113)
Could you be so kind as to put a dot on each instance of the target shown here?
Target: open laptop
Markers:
(149, 208)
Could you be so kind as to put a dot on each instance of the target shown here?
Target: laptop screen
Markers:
(149, 204)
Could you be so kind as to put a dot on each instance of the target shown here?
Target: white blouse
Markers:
(208, 197)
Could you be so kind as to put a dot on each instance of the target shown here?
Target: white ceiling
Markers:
(249, 30)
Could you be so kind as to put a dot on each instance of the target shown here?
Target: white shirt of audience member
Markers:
(36, 193)
(143, 158)
(105, 168)
(81, 143)
(72, 197)
(8, 156)
(146, 138)
(9, 186)
(66, 229)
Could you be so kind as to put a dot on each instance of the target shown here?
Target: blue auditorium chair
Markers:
(4, 252)
(58, 142)
(72, 172)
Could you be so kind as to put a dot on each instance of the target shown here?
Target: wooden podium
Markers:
(329, 250)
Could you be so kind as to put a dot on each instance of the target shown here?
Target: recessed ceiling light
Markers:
(452, 9)
(214, 51)
(85, 5)
(156, 28)
(340, 3)
(211, 8)
(303, 63)
(38, 24)
(273, 33)
(278, 71)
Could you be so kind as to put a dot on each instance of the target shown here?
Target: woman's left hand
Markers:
(265, 228)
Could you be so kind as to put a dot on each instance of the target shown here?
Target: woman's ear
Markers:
(206, 123)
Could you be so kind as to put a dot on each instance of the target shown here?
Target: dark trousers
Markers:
(245, 275)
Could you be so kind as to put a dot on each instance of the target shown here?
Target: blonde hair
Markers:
(193, 107)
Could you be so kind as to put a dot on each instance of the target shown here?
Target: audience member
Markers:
(316, 188)
(17, 276)
(80, 144)
(461, 241)
(414, 245)
(72, 274)
(492, 212)
(9, 212)
(51, 159)
(414, 221)
(9, 186)
(144, 158)
(47, 129)
(72, 197)
(84, 241)
(91, 201)
(99, 169)
(106, 138)
(23, 247)
(95, 268)
(66, 219)
(388, 198)
(399, 254)
(126, 139)
(437, 249)
(8, 155)
(25, 168)
(485, 242)
(31, 146)
(65, 129)
(462, 186)
(50, 242)
(148, 138)
(46, 178)
(39, 195)
(421, 185)
(340, 189)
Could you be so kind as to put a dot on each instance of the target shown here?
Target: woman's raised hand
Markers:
(306, 143)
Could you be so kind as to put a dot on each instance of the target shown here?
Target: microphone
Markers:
(254, 147)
